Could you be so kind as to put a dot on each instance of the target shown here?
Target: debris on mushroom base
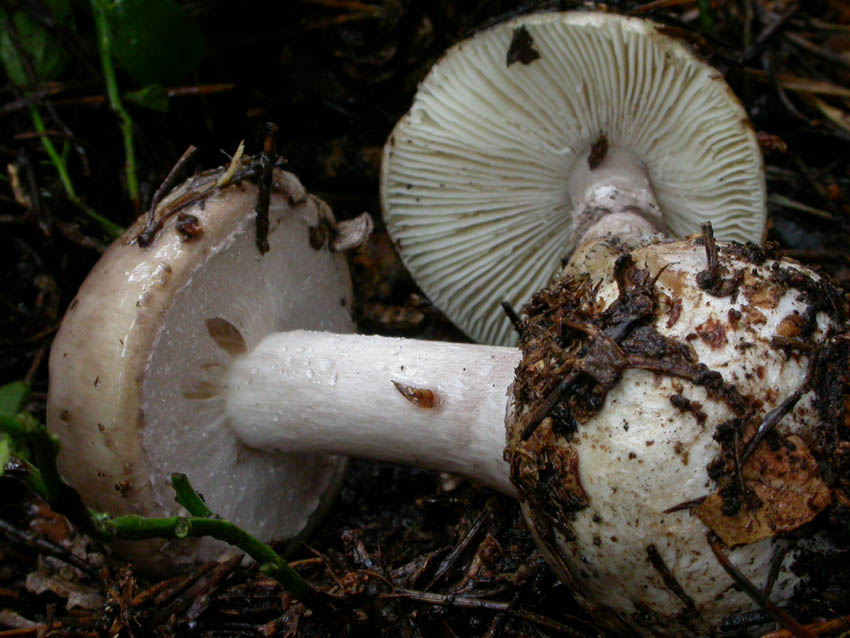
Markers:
(666, 416)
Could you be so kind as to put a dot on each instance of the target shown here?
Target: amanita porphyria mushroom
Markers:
(674, 409)
(552, 127)
(678, 392)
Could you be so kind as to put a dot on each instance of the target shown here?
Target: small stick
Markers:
(771, 420)
(97, 100)
(151, 226)
(225, 178)
(513, 317)
(736, 458)
(267, 163)
(169, 584)
(685, 505)
(778, 614)
(461, 546)
(658, 4)
(776, 566)
(770, 62)
(533, 418)
(657, 562)
(468, 602)
(58, 161)
(766, 35)
(36, 362)
(708, 278)
(46, 547)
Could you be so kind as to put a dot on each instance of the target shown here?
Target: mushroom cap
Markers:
(137, 368)
(626, 454)
(477, 181)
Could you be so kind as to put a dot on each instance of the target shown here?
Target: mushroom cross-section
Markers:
(542, 132)
(137, 370)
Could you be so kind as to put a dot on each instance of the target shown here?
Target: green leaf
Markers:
(43, 49)
(154, 40)
(152, 96)
(11, 445)
(13, 398)
(5, 451)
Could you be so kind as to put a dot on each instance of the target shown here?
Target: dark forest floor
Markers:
(411, 553)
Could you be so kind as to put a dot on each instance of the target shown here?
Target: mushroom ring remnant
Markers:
(137, 368)
(538, 134)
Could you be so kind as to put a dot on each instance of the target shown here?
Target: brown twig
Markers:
(779, 615)
(467, 602)
(769, 61)
(769, 33)
(541, 410)
(20, 51)
(659, 4)
(44, 546)
(31, 97)
(771, 420)
(176, 91)
(685, 505)
(513, 317)
(267, 161)
(657, 562)
(811, 47)
(151, 228)
(459, 548)
(35, 630)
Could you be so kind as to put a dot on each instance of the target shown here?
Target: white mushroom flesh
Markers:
(425, 404)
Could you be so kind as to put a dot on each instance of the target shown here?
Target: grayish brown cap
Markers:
(138, 368)
(486, 182)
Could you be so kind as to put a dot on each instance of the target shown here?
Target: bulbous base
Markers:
(668, 400)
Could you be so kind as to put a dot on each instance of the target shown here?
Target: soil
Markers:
(403, 552)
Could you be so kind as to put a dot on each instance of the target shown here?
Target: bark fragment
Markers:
(789, 491)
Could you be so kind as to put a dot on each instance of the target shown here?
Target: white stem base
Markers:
(312, 391)
(616, 198)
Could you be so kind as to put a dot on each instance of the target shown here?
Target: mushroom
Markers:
(670, 396)
(660, 394)
(549, 129)
(138, 365)
(637, 389)
(668, 401)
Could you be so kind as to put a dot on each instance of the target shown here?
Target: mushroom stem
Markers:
(616, 197)
(434, 405)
